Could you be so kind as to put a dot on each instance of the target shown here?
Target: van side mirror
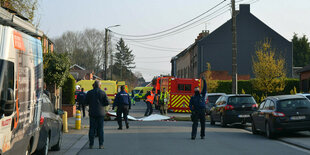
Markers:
(59, 112)
(8, 102)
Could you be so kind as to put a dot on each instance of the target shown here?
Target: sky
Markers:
(141, 17)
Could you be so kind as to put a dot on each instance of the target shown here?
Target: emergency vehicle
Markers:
(108, 86)
(180, 91)
(21, 85)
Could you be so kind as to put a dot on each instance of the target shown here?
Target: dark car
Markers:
(50, 128)
(211, 99)
(234, 108)
(282, 113)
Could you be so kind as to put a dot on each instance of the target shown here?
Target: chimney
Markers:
(244, 8)
(202, 34)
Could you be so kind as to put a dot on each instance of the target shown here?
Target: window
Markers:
(267, 104)
(7, 87)
(272, 106)
(293, 104)
(184, 87)
(261, 106)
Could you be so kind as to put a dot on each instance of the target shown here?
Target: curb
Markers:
(78, 146)
(286, 141)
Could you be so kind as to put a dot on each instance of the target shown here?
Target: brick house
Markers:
(304, 76)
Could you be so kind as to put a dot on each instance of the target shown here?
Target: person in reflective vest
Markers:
(163, 101)
(149, 96)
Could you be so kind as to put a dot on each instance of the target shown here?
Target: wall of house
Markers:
(216, 48)
(305, 81)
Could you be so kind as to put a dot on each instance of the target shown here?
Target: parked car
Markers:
(307, 95)
(234, 108)
(282, 113)
(50, 128)
(211, 99)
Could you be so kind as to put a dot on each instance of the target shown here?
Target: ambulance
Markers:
(21, 85)
(180, 91)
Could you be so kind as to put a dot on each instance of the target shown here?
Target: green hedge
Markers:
(247, 86)
(68, 90)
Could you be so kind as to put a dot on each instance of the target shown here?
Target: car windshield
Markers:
(135, 91)
(308, 96)
(213, 98)
(6, 82)
(239, 100)
(292, 104)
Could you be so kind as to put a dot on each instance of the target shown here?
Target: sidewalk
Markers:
(300, 139)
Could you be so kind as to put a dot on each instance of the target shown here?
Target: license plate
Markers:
(298, 117)
(243, 116)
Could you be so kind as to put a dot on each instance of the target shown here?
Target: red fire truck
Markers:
(180, 91)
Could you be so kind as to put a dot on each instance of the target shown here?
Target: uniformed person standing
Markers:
(198, 108)
(149, 100)
(164, 99)
(122, 101)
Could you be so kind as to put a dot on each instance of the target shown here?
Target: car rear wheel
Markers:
(58, 145)
(223, 123)
(212, 122)
(44, 150)
(254, 130)
(269, 133)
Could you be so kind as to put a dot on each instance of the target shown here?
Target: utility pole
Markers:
(234, 50)
(105, 53)
(111, 64)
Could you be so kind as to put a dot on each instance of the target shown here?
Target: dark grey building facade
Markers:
(216, 48)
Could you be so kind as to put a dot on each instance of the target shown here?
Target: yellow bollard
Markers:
(65, 122)
(78, 120)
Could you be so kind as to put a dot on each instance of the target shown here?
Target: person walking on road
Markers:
(149, 96)
(97, 100)
(122, 101)
(198, 108)
(81, 100)
(163, 100)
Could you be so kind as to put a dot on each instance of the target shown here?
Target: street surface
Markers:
(161, 137)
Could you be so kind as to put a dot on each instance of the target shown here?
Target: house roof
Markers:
(304, 69)
(76, 65)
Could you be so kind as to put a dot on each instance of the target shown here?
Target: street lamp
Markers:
(106, 51)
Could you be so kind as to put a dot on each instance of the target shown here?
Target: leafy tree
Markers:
(211, 84)
(56, 69)
(26, 8)
(268, 69)
(124, 59)
(301, 51)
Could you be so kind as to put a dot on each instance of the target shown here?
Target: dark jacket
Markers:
(197, 102)
(96, 99)
(81, 98)
(122, 98)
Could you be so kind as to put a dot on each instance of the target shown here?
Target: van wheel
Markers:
(269, 133)
(212, 122)
(44, 150)
(58, 145)
(223, 123)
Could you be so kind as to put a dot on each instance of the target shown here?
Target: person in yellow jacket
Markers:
(164, 100)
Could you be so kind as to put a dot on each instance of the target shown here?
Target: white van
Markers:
(21, 89)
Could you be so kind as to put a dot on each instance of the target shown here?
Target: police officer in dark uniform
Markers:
(123, 103)
(198, 108)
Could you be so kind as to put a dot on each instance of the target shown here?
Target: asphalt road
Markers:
(170, 138)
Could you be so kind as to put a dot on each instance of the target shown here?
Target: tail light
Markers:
(207, 100)
(278, 114)
(229, 107)
(41, 120)
(254, 106)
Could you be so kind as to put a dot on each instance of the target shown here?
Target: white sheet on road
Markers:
(153, 117)
(128, 116)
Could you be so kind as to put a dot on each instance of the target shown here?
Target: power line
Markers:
(179, 30)
(146, 35)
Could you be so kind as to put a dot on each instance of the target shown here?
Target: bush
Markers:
(68, 90)
(247, 87)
